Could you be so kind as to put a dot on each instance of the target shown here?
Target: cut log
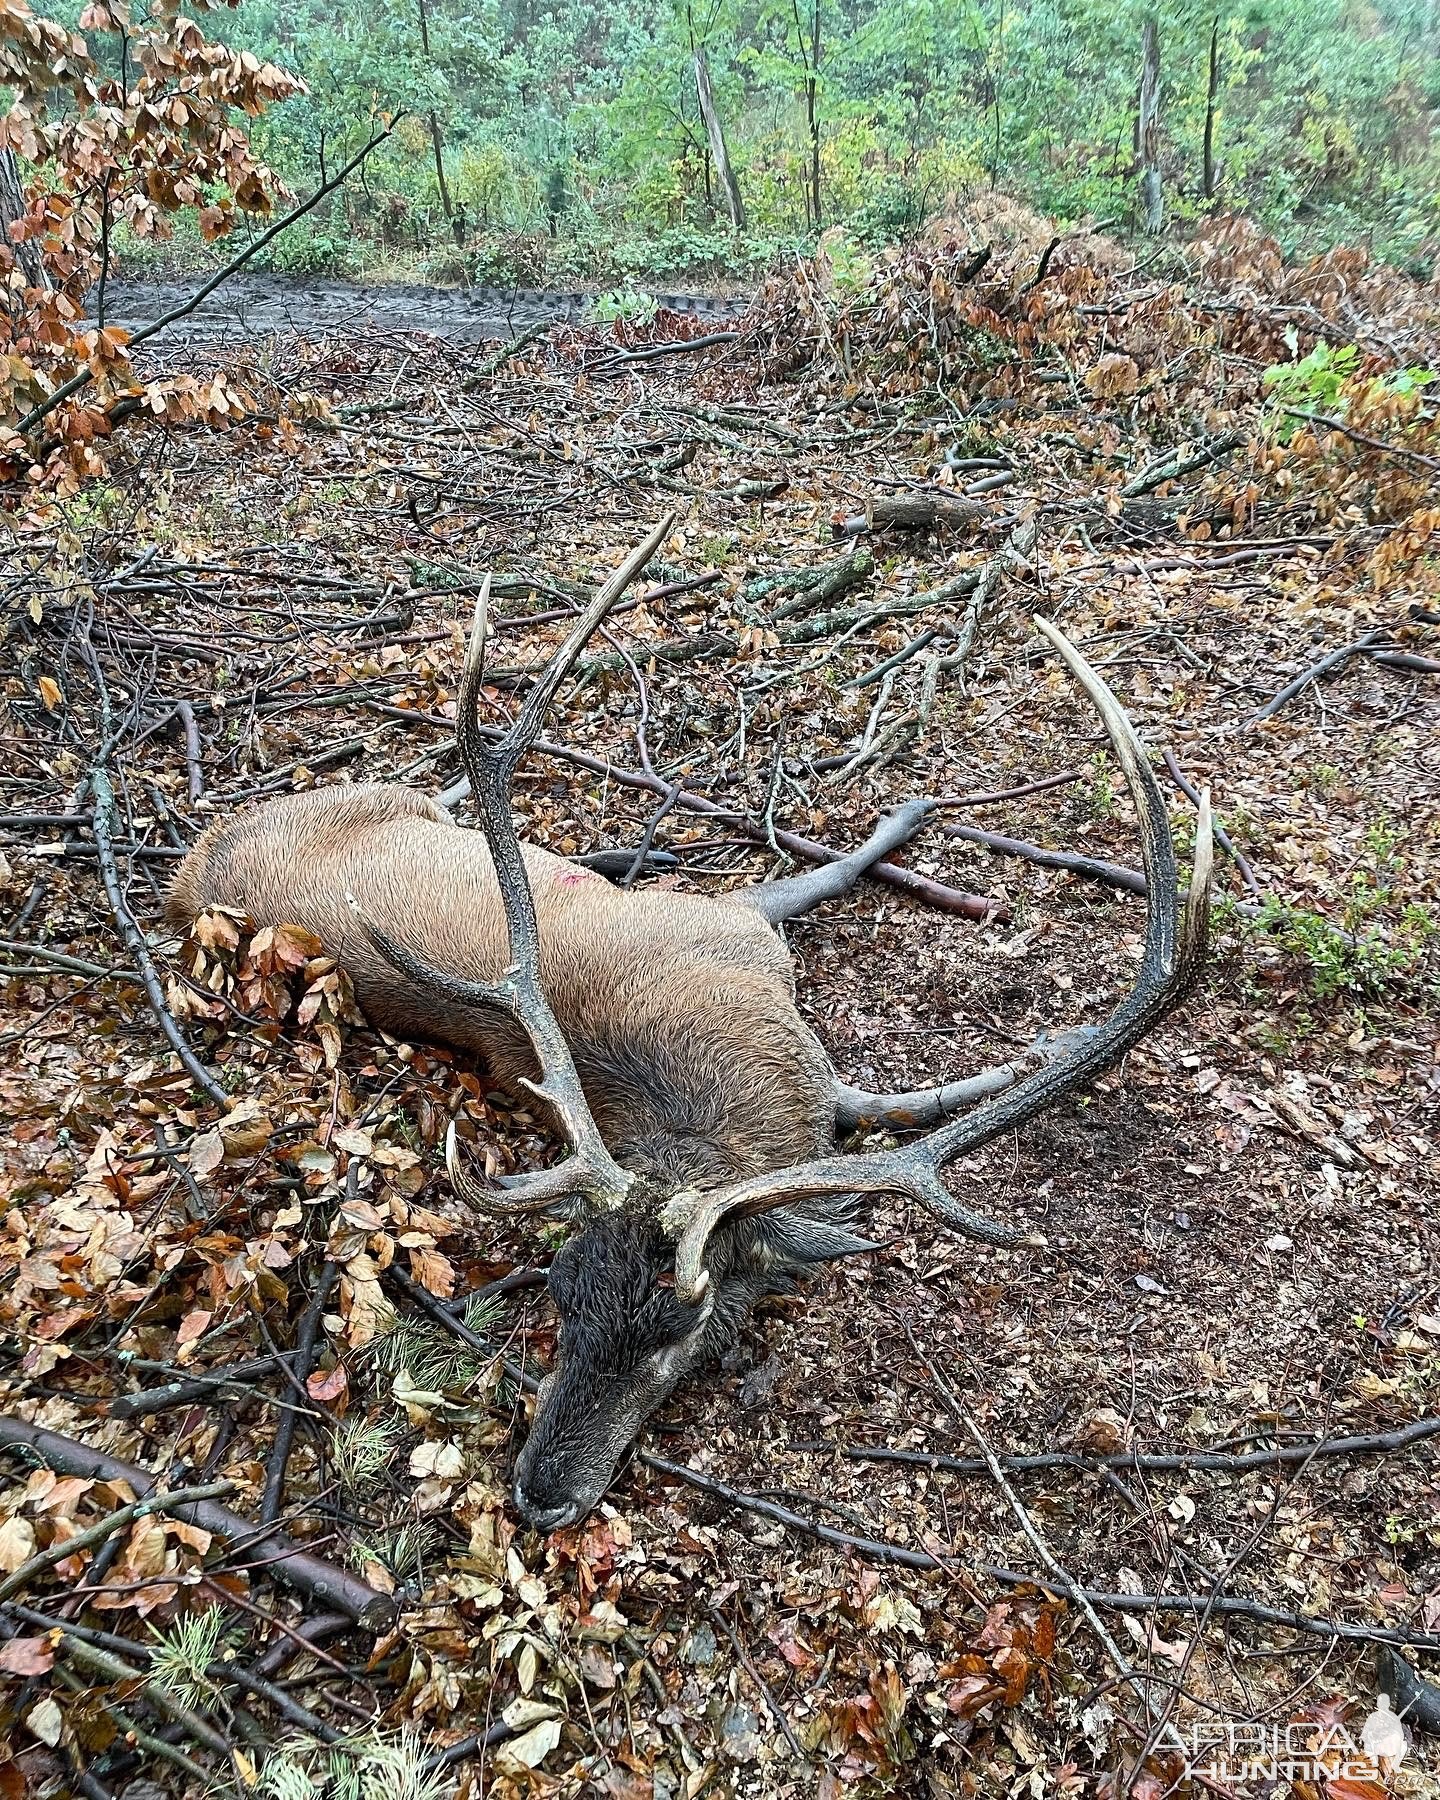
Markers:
(919, 512)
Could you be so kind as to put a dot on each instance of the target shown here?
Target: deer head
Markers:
(659, 1274)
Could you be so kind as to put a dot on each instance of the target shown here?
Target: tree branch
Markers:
(206, 288)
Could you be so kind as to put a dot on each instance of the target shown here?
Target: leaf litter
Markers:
(1238, 1227)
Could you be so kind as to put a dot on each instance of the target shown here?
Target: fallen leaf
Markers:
(326, 1386)
(27, 1656)
(520, 1715)
(1112, 377)
(244, 1131)
(17, 1543)
(192, 1326)
(531, 1748)
(46, 1721)
(1104, 1432)
(434, 1272)
(443, 1460)
(207, 1152)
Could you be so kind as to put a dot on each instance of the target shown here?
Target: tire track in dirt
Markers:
(252, 307)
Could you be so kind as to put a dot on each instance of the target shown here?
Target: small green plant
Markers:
(850, 265)
(1323, 381)
(1360, 956)
(629, 306)
(436, 1361)
(1382, 841)
(314, 254)
(181, 1655)
(1102, 788)
(896, 212)
(95, 508)
(403, 1549)
(1315, 380)
(1324, 778)
(372, 1767)
(1370, 946)
(361, 1448)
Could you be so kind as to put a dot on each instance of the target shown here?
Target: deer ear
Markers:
(789, 1237)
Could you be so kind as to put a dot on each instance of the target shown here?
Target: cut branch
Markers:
(1153, 1462)
(921, 887)
(282, 1558)
(876, 1550)
(119, 1520)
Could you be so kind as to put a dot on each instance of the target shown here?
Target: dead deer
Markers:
(660, 1035)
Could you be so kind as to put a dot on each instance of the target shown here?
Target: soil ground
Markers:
(1240, 1243)
(250, 308)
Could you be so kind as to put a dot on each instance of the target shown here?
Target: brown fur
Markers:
(679, 1009)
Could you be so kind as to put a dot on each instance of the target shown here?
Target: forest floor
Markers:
(1240, 1226)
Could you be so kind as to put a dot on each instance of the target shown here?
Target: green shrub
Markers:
(1366, 952)
(629, 305)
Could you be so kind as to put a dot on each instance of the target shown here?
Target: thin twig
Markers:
(285, 1560)
(207, 1387)
(273, 1500)
(1362, 437)
(73, 965)
(1149, 1462)
(1222, 837)
(1331, 660)
(777, 1712)
(103, 824)
(961, 1414)
(119, 1520)
(874, 1550)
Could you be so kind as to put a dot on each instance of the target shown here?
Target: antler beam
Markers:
(1173, 955)
(589, 1171)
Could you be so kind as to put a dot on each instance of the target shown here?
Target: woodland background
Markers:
(563, 142)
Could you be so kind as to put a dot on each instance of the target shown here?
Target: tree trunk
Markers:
(436, 139)
(439, 143)
(715, 136)
(812, 105)
(1212, 89)
(12, 207)
(1147, 130)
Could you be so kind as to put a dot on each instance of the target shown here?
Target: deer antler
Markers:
(589, 1171)
(1174, 952)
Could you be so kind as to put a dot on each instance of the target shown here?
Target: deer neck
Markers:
(675, 1125)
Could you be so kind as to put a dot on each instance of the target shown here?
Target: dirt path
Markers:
(260, 306)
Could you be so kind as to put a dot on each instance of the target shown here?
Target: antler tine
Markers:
(491, 766)
(1173, 954)
(589, 1171)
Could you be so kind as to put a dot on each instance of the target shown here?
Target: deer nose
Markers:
(546, 1518)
